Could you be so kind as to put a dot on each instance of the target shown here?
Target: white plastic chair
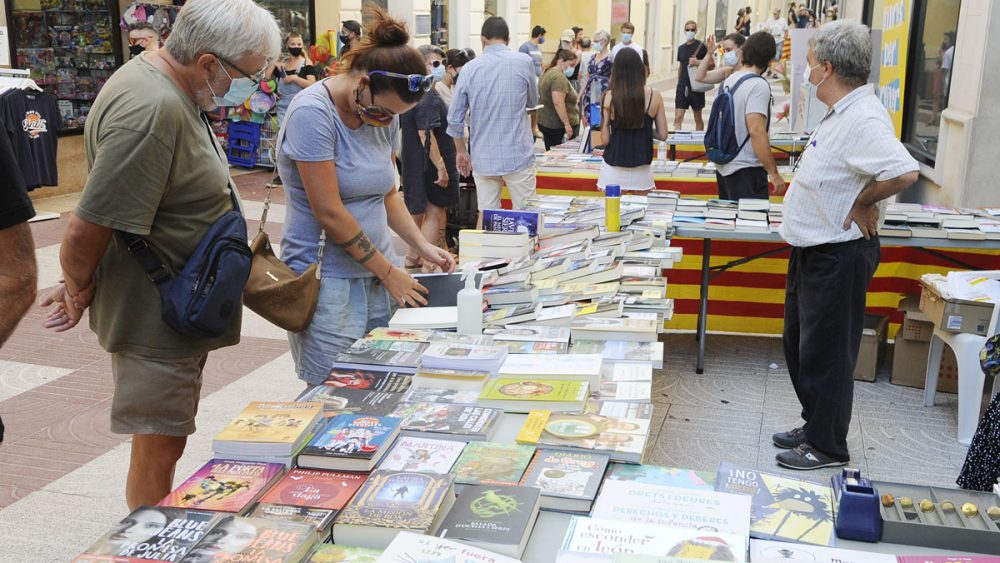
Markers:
(971, 379)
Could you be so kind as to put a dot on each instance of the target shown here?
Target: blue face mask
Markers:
(239, 90)
(626, 37)
(569, 71)
(541, 40)
(438, 73)
(730, 58)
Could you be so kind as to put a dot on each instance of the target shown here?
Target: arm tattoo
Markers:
(354, 239)
(363, 244)
(367, 257)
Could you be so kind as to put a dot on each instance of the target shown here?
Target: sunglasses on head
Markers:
(415, 82)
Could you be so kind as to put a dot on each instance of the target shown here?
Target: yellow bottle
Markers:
(612, 208)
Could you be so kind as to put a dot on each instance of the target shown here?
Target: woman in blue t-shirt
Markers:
(336, 163)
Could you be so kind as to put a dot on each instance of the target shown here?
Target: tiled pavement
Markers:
(62, 471)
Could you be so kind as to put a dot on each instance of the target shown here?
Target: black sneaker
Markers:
(806, 457)
(790, 439)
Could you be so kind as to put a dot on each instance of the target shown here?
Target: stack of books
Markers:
(475, 246)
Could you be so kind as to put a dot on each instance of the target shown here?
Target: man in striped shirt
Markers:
(495, 89)
(852, 163)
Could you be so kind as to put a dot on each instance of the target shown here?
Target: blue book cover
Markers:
(353, 436)
(510, 221)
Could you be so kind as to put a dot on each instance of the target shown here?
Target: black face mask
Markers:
(345, 39)
(136, 50)
(295, 51)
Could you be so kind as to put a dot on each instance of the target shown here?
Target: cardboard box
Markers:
(872, 351)
(913, 342)
(954, 315)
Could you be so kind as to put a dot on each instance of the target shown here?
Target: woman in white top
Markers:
(456, 60)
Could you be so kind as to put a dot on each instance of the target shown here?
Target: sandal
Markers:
(413, 263)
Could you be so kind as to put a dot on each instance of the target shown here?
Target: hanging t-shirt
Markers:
(15, 207)
(32, 120)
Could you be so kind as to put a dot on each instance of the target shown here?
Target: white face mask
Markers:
(730, 58)
(690, 35)
(808, 74)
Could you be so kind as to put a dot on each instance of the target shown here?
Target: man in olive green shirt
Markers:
(156, 171)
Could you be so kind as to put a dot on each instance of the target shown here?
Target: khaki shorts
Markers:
(520, 184)
(155, 395)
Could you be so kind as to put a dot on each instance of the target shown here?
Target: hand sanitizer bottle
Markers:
(470, 305)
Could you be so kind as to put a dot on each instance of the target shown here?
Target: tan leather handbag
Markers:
(274, 291)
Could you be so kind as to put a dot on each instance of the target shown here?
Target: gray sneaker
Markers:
(790, 439)
(805, 457)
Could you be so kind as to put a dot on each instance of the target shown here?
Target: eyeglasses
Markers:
(415, 82)
(257, 77)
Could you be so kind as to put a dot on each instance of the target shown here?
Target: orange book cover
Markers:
(315, 488)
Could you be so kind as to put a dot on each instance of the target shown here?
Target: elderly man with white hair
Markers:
(157, 172)
(852, 163)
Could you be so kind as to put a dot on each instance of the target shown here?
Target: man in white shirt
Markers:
(628, 30)
(852, 163)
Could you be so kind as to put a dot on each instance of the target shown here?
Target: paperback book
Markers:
(307, 494)
(622, 439)
(152, 533)
(449, 378)
(448, 422)
(349, 442)
(441, 395)
(492, 463)
(337, 400)
(521, 395)
(618, 351)
(224, 486)
(331, 553)
(408, 547)
(619, 409)
(594, 535)
(782, 508)
(568, 480)
(511, 221)
(374, 379)
(440, 355)
(495, 517)
(402, 355)
(394, 501)
(237, 539)
(664, 476)
(764, 551)
(425, 455)
(268, 429)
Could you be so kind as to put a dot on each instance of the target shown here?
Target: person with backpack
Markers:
(737, 138)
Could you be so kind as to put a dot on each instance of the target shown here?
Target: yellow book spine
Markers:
(533, 427)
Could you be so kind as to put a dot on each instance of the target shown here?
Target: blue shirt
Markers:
(313, 132)
(535, 52)
(496, 88)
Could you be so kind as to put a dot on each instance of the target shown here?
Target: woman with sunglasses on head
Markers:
(430, 178)
(335, 158)
(455, 59)
(294, 75)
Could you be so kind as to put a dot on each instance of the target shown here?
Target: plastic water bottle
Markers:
(612, 208)
(661, 152)
(470, 305)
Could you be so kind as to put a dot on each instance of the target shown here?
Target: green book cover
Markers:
(523, 389)
(493, 463)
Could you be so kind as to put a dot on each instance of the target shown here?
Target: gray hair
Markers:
(847, 45)
(602, 36)
(231, 29)
(428, 50)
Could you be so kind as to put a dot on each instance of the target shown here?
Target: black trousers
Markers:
(824, 318)
(553, 137)
(744, 183)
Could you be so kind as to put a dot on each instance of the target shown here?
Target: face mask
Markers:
(345, 39)
(371, 115)
(569, 71)
(626, 37)
(808, 74)
(295, 51)
(730, 58)
(239, 90)
(598, 46)
(541, 40)
(136, 50)
(438, 73)
(690, 35)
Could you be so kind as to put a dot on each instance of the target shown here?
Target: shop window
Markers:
(293, 16)
(69, 47)
(439, 23)
(929, 77)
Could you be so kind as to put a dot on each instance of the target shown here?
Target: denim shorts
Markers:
(346, 310)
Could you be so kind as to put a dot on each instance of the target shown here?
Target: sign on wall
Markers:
(619, 11)
(892, 67)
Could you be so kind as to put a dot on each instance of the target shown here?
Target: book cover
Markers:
(511, 221)
(622, 438)
(517, 389)
(398, 353)
(492, 463)
(764, 551)
(271, 422)
(621, 351)
(258, 540)
(665, 476)
(782, 507)
(352, 436)
(425, 455)
(529, 333)
(565, 364)
(224, 485)
(340, 400)
(330, 553)
(408, 547)
(386, 333)
(638, 391)
(447, 396)
(397, 499)
(594, 535)
(535, 347)
(491, 514)
(711, 511)
(318, 518)
(574, 475)
(620, 409)
(447, 418)
(374, 379)
(153, 533)
(314, 488)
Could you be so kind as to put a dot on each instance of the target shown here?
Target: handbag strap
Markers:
(267, 198)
